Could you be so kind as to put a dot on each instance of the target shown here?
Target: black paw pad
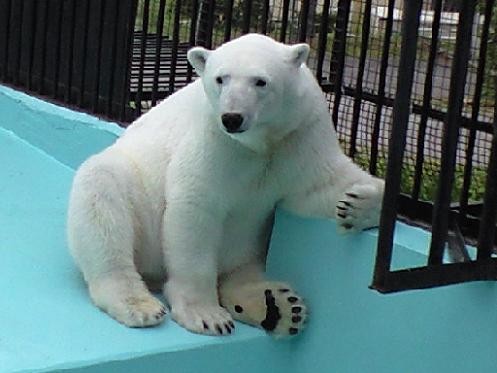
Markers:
(296, 318)
(272, 312)
(292, 299)
(296, 309)
(293, 331)
(238, 309)
(348, 226)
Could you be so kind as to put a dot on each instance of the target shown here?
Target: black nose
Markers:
(232, 122)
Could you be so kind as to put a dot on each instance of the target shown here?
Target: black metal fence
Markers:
(73, 51)
(409, 84)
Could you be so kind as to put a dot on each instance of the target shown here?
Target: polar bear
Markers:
(186, 197)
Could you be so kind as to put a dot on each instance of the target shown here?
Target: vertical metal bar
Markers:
(426, 105)
(193, 25)
(304, 14)
(143, 48)
(323, 38)
(69, 49)
(5, 6)
(43, 49)
(99, 36)
(284, 20)
(337, 62)
(247, 14)
(400, 119)
(265, 14)
(488, 218)
(14, 51)
(83, 50)
(117, 8)
(27, 39)
(210, 22)
(356, 112)
(29, 71)
(451, 132)
(174, 52)
(57, 48)
(52, 46)
(125, 78)
(158, 50)
(385, 54)
(480, 74)
(228, 11)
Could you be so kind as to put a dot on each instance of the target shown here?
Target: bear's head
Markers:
(254, 86)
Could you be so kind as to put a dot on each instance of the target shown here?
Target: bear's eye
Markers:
(260, 83)
(219, 80)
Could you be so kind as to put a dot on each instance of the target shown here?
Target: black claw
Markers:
(284, 290)
(351, 195)
(293, 331)
(219, 329)
(296, 309)
(206, 327)
(268, 292)
(348, 226)
(231, 324)
(238, 309)
(346, 203)
(296, 318)
(228, 329)
(342, 208)
(343, 216)
(292, 299)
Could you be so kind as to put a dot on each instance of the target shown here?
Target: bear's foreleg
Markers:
(352, 197)
(192, 235)
(270, 305)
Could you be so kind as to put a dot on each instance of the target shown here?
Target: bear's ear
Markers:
(198, 58)
(299, 54)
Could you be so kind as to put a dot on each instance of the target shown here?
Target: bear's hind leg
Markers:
(124, 297)
(270, 305)
(101, 234)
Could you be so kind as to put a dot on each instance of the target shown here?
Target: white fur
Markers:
(178, 196)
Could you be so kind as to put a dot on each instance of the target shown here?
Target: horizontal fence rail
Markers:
(410, 87)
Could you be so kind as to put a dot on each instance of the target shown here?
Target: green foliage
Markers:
(429, 178)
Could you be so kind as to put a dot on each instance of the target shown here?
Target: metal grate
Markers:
(436, 272)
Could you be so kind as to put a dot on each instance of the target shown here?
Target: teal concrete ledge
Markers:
(47, 322)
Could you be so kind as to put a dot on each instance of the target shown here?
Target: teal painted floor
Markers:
(47, 321)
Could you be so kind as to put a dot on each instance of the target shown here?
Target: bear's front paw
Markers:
(203, 318)
(360, 207)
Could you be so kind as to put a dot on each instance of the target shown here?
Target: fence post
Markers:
(397, 141)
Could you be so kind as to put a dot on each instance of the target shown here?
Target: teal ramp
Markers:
(48, 323)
